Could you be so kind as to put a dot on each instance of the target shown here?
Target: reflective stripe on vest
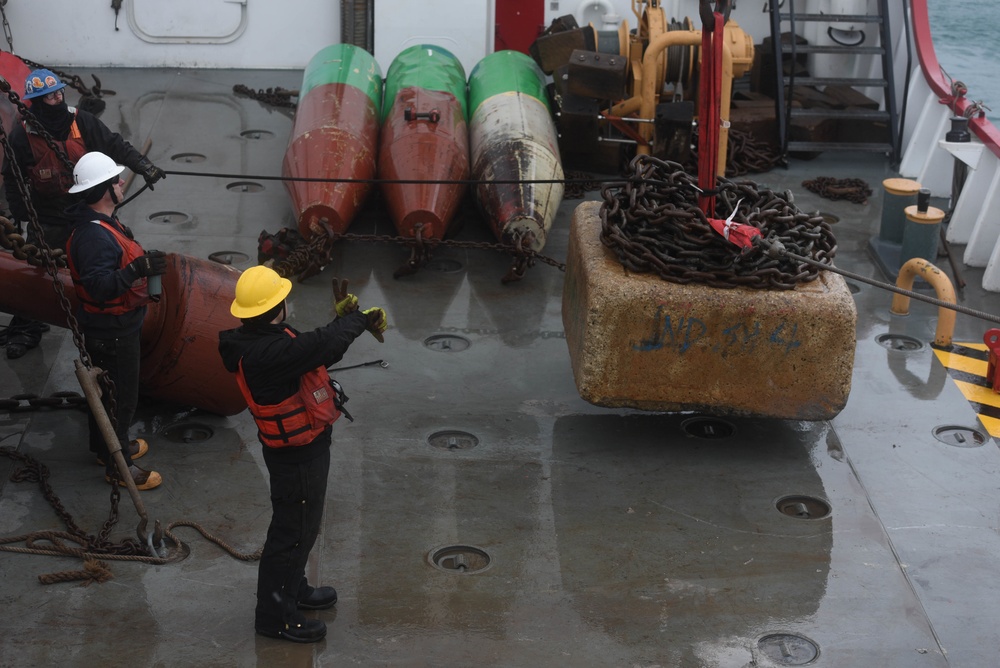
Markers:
(300, 418)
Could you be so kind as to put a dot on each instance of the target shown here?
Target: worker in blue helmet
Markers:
(48, 178)
(41, 82)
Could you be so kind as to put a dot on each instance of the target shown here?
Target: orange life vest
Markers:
(49, 176)
(132, 298)
(300, 418)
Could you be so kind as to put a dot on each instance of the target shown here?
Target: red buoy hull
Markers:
(432, 150)
(334, 139)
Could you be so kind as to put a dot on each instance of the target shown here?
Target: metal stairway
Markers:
(783, 13)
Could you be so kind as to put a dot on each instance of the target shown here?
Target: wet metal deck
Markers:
(617, 537)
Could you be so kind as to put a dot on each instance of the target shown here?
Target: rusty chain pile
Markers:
(744, 155)
(654, 225)
(94, 550)
(578, 184)
(852, 190)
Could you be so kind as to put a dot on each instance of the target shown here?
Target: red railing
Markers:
(983, 128)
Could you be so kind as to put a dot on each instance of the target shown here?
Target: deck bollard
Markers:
(899, 194)
(922, 229)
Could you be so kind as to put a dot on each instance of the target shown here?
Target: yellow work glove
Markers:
(344, 301)
(376, 322)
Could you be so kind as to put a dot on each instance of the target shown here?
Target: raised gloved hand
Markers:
(344, 301)
(376, 322)
(150, 172)
(153, 263)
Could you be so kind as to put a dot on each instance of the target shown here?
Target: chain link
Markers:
(91, 547)
(852, 190)
(6, 26)
(277, 97)
(744, 155)
(653, 223)
(21, 403)
(309, 258)
(73, 80)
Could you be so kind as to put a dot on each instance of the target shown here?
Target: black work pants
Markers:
(120, 358)
(298, 494)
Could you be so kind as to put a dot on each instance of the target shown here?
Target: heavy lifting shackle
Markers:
(705, 11)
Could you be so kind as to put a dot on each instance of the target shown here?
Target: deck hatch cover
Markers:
(899, 342)
(187, 432)
(256, 134)
(708, 427)
(960, 437)
(228, 257)
(447, 343)
(461, 559)
(169, 217)
(244, 187)
(189, 158)
(803, 507)
(453, 439)
(788, 649)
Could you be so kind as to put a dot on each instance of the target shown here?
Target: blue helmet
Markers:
(41, 82)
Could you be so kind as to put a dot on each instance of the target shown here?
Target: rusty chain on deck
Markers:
(744, 155)
(852, 190)
(654, 225)
(93, 550)
(309, 258)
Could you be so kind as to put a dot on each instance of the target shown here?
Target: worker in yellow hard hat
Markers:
(282, 375)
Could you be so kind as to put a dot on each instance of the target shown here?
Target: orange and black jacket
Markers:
(94, 135)
(273, 362)
(112, 295)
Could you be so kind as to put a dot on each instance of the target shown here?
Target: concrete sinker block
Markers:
(638, 341)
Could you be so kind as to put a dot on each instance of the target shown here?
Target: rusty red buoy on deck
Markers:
(334, 139)
(180, 335)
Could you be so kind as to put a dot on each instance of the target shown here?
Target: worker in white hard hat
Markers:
(110, 271)
(45, 175)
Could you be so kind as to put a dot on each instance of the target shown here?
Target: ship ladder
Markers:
(816, 114)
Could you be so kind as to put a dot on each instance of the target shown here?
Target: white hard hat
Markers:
(93, 169)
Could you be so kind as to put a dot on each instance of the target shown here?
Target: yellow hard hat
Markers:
(258, 291)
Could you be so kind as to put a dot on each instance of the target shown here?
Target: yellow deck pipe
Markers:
(648, 94)
(942, 287)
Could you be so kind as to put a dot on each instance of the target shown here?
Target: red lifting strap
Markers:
(709, 111)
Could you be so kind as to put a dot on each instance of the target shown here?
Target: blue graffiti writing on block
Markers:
(680, 333)
(742, 334)
(777, 337)
(681, 337)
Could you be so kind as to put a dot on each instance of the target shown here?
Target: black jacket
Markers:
(273, 362)
(97, 256)
(96, 137)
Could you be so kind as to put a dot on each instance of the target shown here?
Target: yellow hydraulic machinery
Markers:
(663, 58)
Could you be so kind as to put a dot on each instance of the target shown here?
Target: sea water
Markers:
(966, 39)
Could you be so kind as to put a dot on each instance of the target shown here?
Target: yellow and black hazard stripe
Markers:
(967, 364)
